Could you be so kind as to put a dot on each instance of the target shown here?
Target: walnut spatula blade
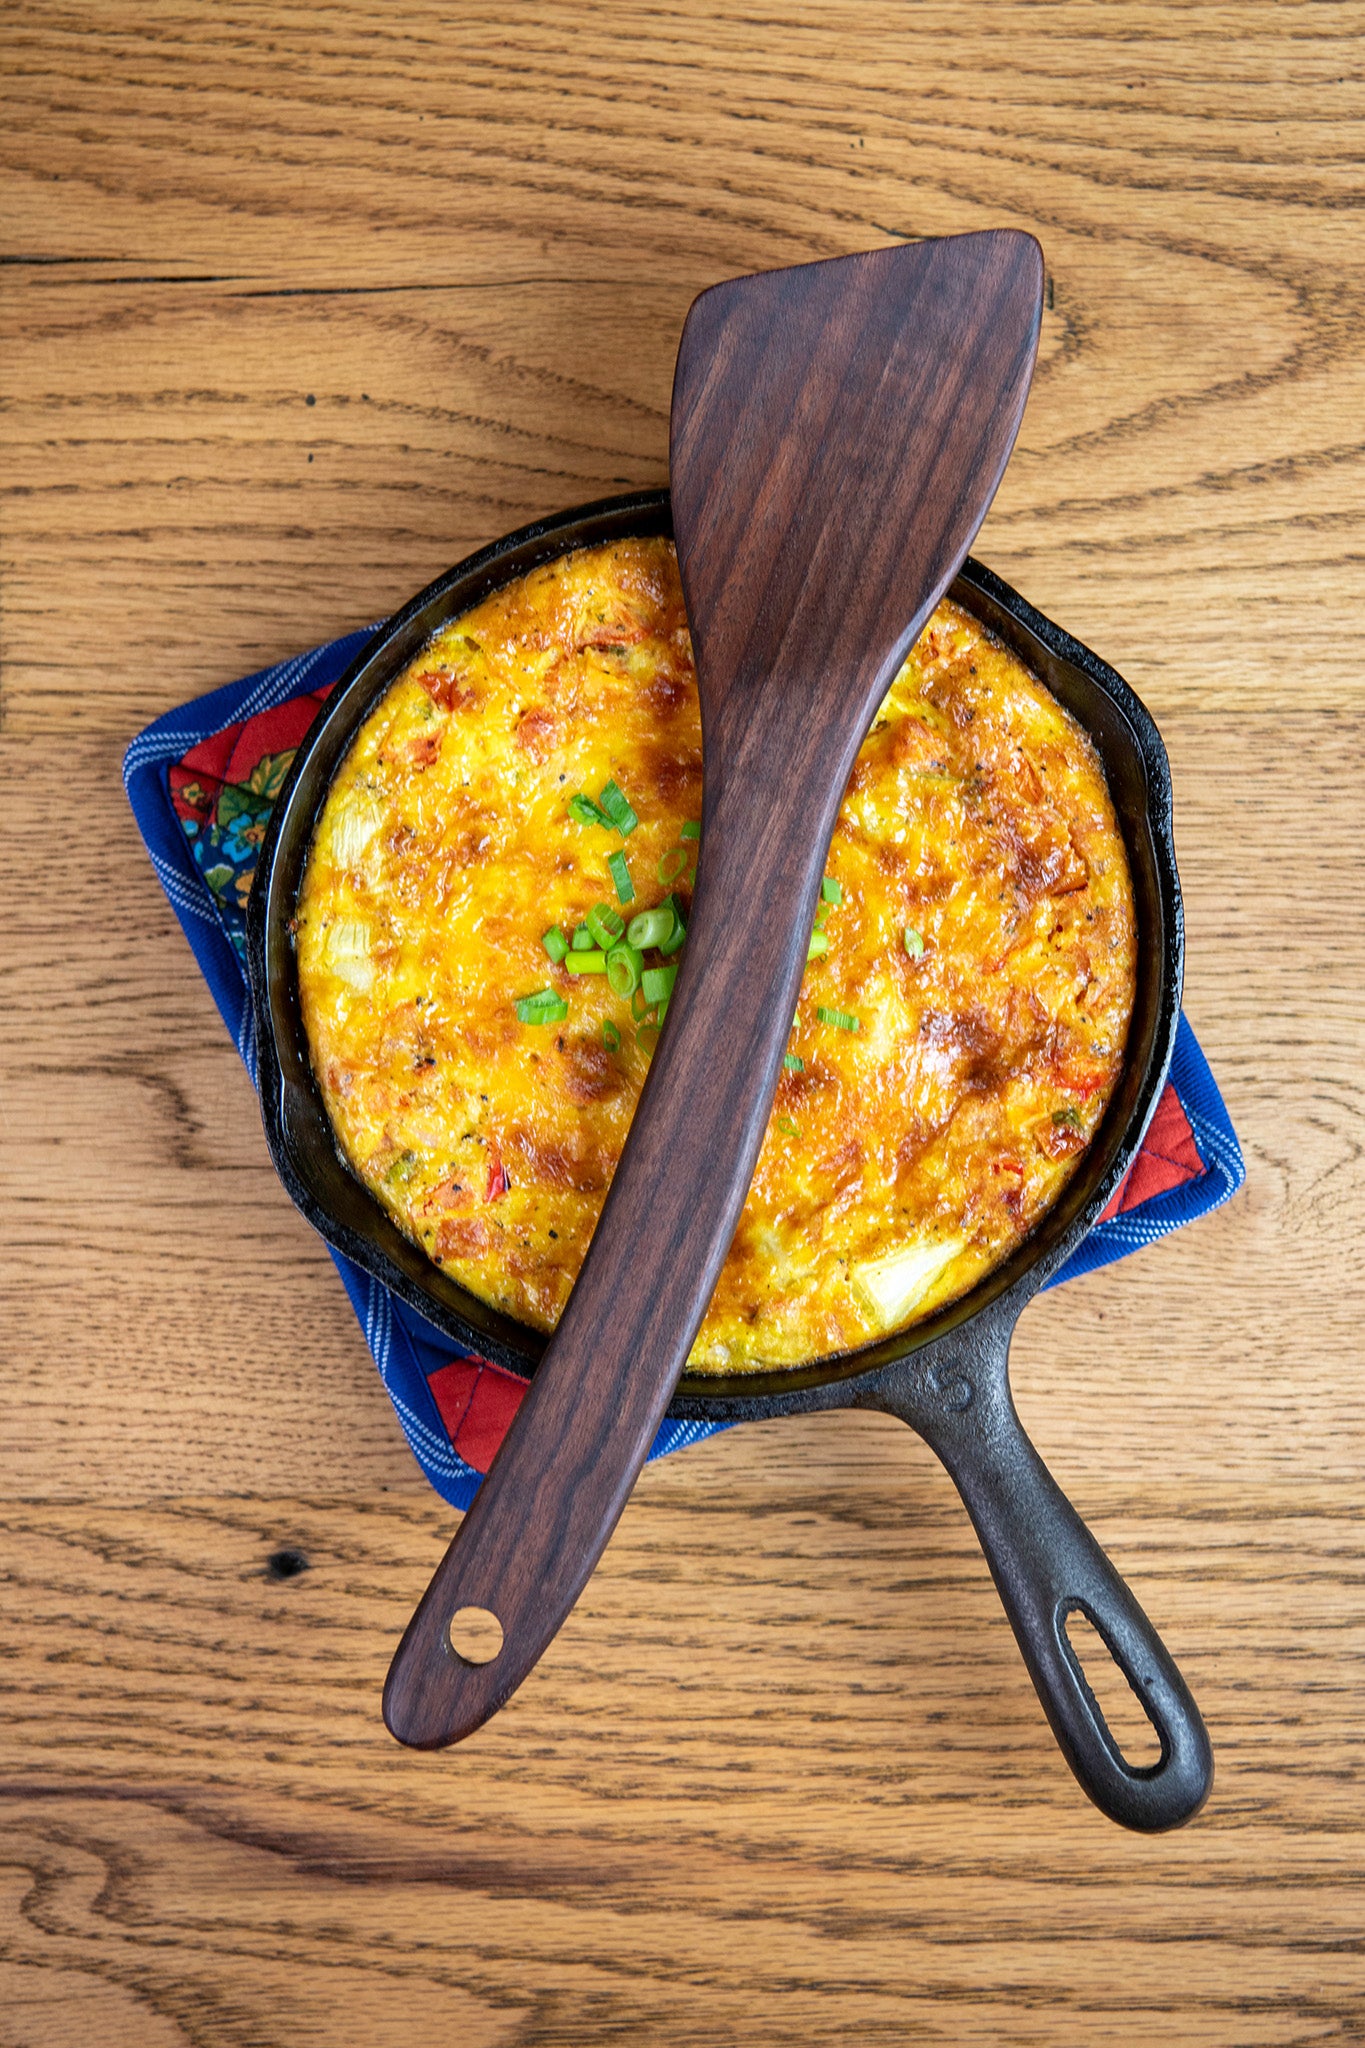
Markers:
(838, 433)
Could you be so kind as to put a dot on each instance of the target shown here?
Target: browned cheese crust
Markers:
(905, 1158)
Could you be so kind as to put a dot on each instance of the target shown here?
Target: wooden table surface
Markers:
(301, 305)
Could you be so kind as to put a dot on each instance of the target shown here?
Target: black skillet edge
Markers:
(339, 1207)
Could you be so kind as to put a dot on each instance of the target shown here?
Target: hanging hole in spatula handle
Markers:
(1048, 1567)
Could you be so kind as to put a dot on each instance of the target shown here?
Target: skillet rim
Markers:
(288, 1090)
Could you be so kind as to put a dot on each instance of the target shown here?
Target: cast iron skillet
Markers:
(948, 1377)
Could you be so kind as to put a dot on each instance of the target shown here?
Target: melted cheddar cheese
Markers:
(984, 941)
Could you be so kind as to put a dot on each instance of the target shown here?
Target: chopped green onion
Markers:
(691, 830)
(555, 943)
(657, 983)
(679, 931)
(819, 943)
(785, 1125)
(582, 939)
(647, 1037)
(605, 926)
(587, 812)
(611, 1037)
(794, 1063)
(651, 927)
(620, 874)
(544, 1007)
(672, 864)
(821, 913)
(914, 944)
(831, 891)
(663, 1009)
(624, 969)
(586, 963)
(613, 801)
(842, 1020)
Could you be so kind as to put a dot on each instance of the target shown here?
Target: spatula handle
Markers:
(558, 1484)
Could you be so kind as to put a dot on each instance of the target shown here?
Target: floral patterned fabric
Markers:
(201, 782)
(222, 791)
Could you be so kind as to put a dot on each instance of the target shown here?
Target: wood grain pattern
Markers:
(473, 241)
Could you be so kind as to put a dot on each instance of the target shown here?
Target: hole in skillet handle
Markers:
(474, 1635)
(1113, 1693)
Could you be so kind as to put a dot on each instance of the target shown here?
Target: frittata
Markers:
(482, 987)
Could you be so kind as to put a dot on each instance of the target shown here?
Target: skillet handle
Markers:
(1047, 1566)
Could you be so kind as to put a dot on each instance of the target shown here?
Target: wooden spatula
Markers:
(838, 432)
